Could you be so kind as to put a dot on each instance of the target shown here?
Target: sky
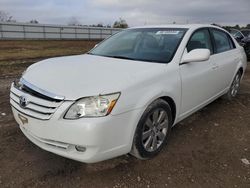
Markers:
(135, 12)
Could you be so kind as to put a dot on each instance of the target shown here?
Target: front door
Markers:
(197, 77)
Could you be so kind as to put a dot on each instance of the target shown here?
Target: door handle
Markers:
(215, 67)
(237, 59)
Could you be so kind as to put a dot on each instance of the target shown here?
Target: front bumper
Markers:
(103, 137)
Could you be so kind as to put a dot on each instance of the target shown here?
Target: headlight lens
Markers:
(96, 106)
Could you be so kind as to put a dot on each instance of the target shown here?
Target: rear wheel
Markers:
(152, 130)
(235, 87)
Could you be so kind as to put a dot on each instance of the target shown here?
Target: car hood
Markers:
(79, 76)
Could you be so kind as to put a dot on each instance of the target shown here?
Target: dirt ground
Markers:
(205, 150)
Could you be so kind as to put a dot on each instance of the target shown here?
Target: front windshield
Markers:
(145, 44)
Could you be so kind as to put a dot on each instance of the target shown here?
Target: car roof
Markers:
(184, 26)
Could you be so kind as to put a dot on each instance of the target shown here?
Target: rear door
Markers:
(225, 59)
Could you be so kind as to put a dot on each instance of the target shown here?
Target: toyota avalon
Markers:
(125, 94)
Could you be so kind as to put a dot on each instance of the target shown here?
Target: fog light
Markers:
(80, 148)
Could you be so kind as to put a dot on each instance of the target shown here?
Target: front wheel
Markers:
(152, 130)
(235, 87)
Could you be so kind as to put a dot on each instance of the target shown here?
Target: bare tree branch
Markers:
(5, 17)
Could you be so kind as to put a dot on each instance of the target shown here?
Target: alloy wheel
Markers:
(155, 130)
(235, 85)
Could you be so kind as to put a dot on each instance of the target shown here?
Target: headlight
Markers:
(96, 106)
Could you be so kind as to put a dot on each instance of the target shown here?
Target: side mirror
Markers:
(196, 55)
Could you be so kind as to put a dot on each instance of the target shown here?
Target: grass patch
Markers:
(22, 50)
(15, 56)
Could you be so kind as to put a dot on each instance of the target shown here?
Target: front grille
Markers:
(37, 106)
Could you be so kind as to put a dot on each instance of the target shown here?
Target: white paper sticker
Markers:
(169, 32)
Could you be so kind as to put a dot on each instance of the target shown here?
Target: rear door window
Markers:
(222, 41)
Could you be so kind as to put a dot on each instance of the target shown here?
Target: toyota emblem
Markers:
(23, 101)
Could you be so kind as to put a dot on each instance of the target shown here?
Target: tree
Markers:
(99, 25)
(73, 21)
(33, 21)
(237, 27)
(121, 23)
(5, 17)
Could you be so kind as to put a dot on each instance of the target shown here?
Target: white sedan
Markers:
(125, 94)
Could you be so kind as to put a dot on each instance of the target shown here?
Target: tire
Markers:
(152, 130)
(234, 88)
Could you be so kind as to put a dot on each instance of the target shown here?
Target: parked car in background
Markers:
(125, 95)
(243, 38)
(236, 34)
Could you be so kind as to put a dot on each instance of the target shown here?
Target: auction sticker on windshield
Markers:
(168, 32)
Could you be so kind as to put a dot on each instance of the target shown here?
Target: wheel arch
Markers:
(167, 98)
(172, 105)
(241, 70)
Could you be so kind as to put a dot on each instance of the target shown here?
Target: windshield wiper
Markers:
(112, 56)
(120, 57)
(128, 58)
